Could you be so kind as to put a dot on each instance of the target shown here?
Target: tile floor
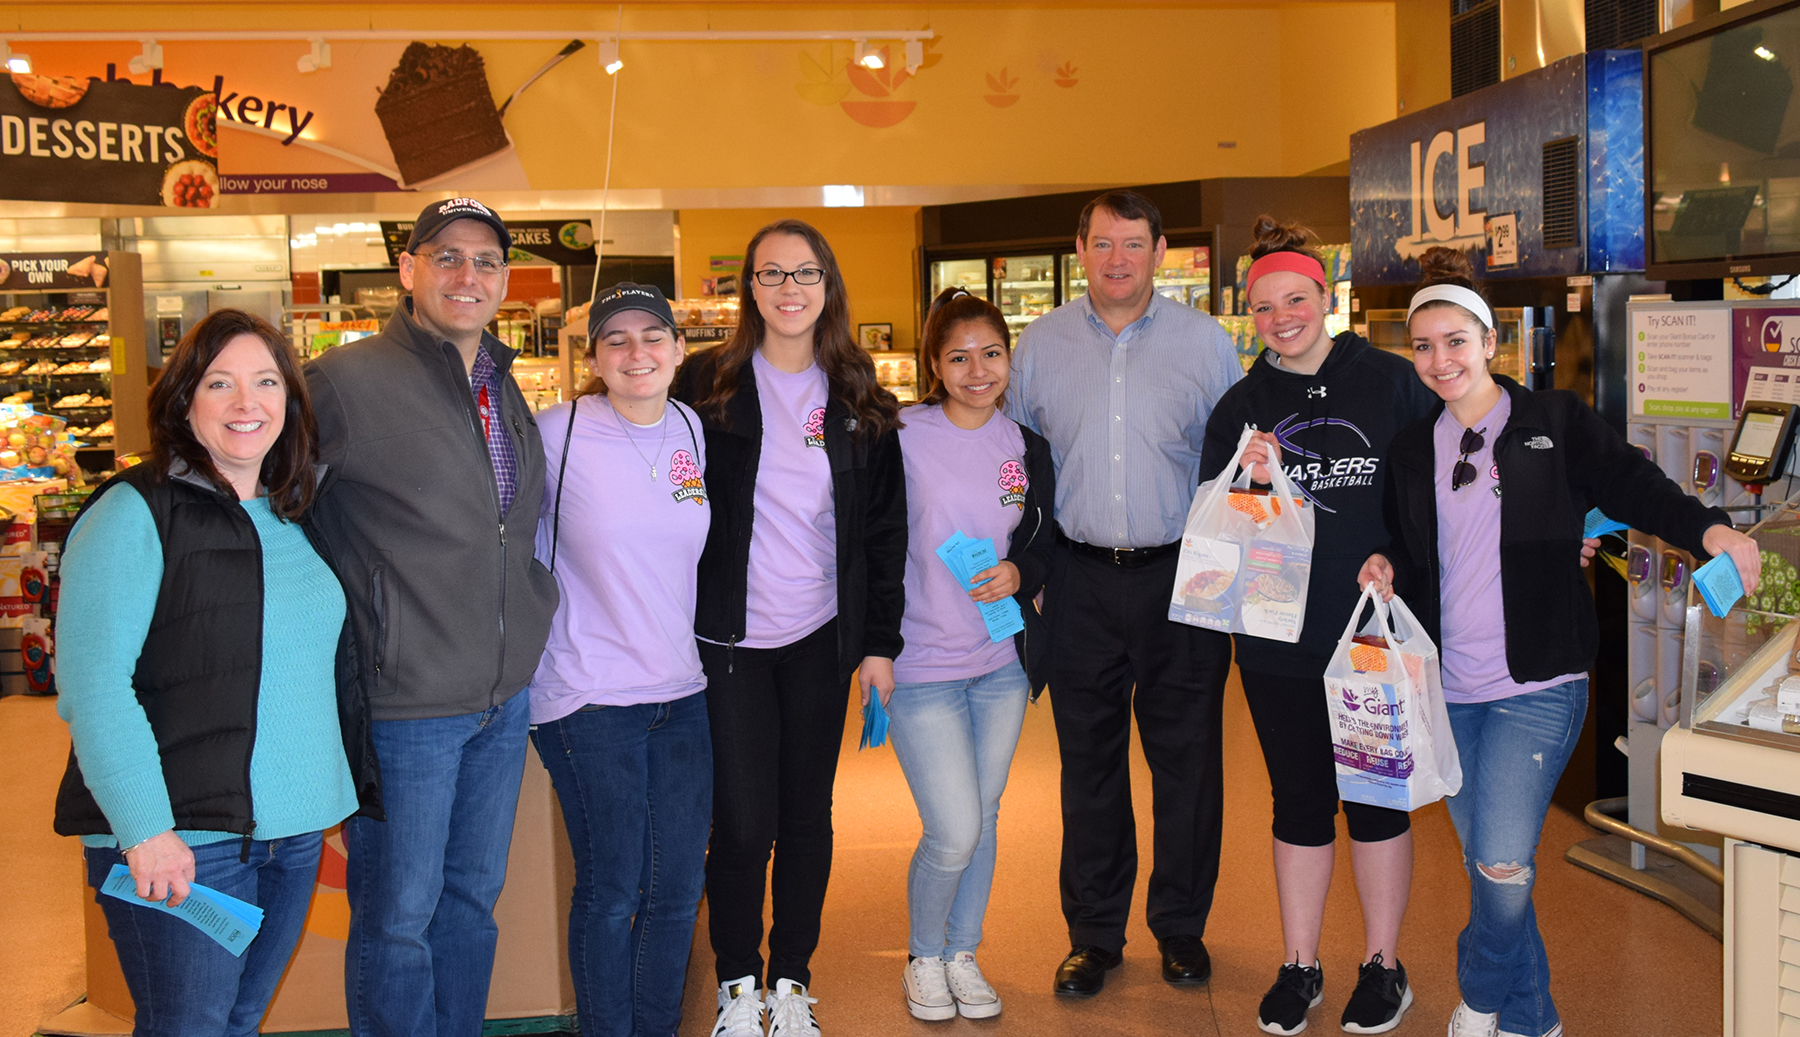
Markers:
(1623, 964)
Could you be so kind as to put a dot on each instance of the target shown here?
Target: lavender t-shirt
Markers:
(956, 478)
(792, 586)
(1473, 652)
(626, 559)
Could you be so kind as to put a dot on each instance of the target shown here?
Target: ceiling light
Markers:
(1764, 53)
(609, 57)
(14, 62)
(868, 57)
(838, 196)
(152, 57)
(915, 56)
(317, 58)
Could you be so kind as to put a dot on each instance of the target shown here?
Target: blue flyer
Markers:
(1597, 524)
(875, 723)
(964, 558)
(1719, 583)
(228, 920)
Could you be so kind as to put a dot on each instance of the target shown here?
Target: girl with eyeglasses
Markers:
(799, 586)
(1485, 501)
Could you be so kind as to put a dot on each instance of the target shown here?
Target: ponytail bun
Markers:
(1440, 265)
(1274, 236)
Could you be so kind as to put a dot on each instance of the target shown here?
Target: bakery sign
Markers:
(77, 139)
(45, 271)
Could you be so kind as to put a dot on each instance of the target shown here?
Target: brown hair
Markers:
(596, 385)
(849, 370)
(1274, 236)
(1440, 265)
(953, 308)
(1125, 205)
(287, 469)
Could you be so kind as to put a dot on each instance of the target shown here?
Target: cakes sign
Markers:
(71, 139)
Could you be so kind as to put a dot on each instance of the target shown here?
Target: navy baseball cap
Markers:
(623, 296)
(439, 215)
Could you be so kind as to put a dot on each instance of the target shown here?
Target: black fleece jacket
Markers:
(869, 506)
(1557, 460)
(1334, 427)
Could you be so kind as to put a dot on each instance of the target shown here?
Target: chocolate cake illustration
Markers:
(437, 112)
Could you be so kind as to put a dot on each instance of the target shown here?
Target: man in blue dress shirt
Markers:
(1121, 382)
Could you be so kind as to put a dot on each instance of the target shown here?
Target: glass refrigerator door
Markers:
(1024, 289)
(1186, 277)
(968, 274)
(1074, 277)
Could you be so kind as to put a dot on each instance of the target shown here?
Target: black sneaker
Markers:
(1297, 988)
(1382, 996)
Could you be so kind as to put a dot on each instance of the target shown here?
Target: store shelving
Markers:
(58, 322)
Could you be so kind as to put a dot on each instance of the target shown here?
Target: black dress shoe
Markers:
(1185, 960)
(1083, 972)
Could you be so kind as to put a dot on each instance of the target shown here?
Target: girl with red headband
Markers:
(1327, 408)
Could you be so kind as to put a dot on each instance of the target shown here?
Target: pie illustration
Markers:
(50, 91)
(202, 124)
(1368, 658)
(1254, 506)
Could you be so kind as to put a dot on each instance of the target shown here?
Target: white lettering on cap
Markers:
(463, 203)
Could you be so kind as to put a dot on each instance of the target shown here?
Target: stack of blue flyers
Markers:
(964, 558)
(1719, 584)
(228, 920)
(1597, 525)
(875, 723)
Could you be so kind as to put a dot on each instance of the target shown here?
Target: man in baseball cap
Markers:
(430, 509)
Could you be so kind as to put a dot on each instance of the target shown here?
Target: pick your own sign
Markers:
(70, 139)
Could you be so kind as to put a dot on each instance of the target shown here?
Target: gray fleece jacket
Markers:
(450, 609)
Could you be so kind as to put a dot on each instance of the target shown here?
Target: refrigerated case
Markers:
(1025, 285)
(1386, 330)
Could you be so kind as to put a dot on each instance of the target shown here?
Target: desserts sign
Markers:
(74, 139)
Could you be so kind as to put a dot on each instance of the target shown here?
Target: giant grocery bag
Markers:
(1246, 556)
(1390, 732)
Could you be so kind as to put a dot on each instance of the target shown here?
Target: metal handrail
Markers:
(1596, 815)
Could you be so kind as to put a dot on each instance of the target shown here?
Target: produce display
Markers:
(35, 445)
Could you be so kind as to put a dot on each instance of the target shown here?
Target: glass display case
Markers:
(1024, 288)
(1184, 276)
(1387, 330)
(968, 274)
(898, 373)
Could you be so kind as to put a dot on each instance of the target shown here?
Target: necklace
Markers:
(633, 440)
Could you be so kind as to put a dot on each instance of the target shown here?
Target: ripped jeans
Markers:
(1513, 751)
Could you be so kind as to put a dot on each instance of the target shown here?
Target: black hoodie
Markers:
(1334, 427)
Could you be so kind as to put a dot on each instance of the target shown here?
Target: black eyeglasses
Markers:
(1464, 472)
(804, 275)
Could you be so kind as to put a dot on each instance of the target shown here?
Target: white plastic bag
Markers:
(1390, 732)
(1246, 556)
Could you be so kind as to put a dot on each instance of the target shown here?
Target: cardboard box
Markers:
(531, 963)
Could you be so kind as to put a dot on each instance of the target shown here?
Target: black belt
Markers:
(1124, 557)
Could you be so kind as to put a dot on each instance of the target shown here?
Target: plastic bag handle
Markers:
(1223, 486)
(1356, 613)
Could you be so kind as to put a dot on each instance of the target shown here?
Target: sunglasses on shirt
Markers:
(1464, 472)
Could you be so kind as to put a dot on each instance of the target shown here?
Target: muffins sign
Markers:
(685, 474)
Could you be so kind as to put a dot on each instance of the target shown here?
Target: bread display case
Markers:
(898, 373)
(706, 320)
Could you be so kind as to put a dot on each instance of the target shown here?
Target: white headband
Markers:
(1457, 294)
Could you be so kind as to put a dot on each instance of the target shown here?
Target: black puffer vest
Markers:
(200, 670)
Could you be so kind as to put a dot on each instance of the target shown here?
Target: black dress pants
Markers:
(1115, 651)
(777, 722)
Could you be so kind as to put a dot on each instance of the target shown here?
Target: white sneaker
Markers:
(927, 992)
(740, 1010)
(975, 997)
(790, 1011)
(1467, 1022)
(1555, 1031)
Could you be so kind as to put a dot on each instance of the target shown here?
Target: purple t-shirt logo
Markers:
(1013, 481)
(685, 474)
(815, 428)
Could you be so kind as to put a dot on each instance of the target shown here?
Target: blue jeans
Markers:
(184, 984)
(1513, 751)
(955, 742)
(422, 884)
(635, 784)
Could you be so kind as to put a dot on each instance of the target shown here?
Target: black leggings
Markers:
(1295, 731)
(777, 720)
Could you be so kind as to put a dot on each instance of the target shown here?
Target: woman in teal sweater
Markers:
(198, 634)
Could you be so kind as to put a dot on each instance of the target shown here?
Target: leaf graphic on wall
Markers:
(1001, 84)
(880, 84)
(1065, 74)
(821, 86)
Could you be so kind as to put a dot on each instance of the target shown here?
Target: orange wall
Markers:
(877, 249)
